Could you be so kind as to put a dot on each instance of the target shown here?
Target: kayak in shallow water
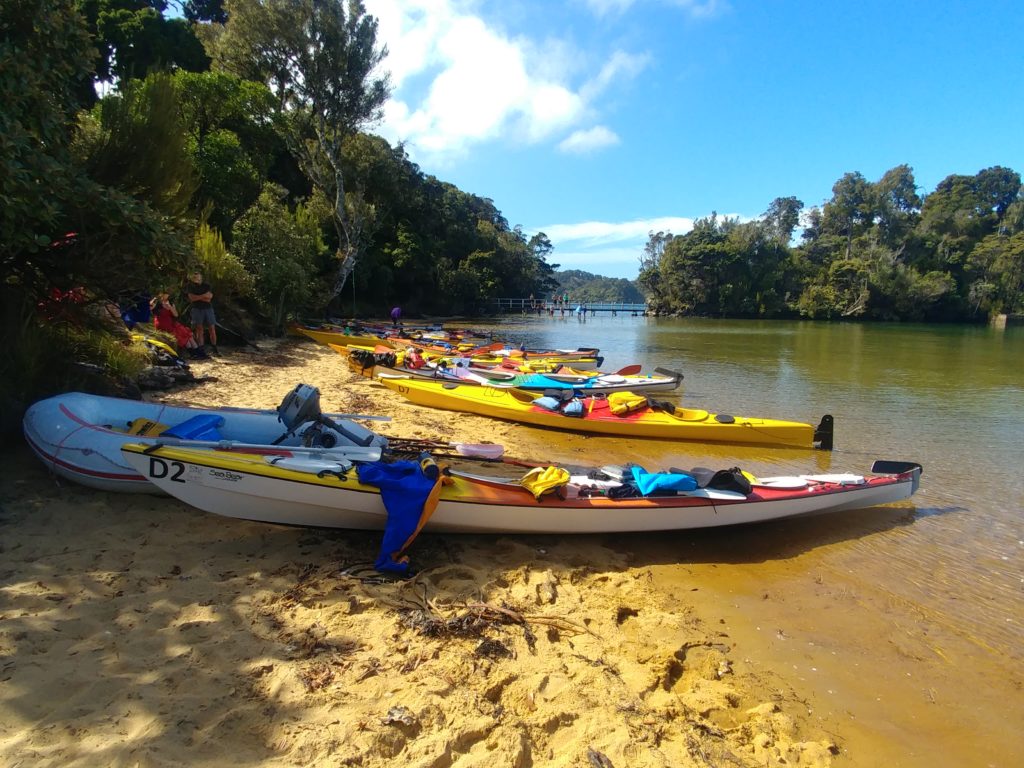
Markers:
(597, 415)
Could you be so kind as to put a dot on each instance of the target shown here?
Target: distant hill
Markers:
(586, 287)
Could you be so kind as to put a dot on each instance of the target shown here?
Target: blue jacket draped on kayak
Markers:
(407, 496)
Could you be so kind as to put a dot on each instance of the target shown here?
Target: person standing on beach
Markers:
(165, 318)
(201, 296)
(396, 315)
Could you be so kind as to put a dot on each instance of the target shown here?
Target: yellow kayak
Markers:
(595, 415)
(342, 339)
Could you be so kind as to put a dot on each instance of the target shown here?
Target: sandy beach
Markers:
(136, 631)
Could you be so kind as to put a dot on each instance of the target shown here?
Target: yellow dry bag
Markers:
(540, 481)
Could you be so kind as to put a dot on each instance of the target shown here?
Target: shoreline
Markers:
(138, 630)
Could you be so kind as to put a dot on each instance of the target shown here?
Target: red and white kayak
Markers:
(308, 492)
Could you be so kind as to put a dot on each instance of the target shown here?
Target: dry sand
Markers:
(137, 631)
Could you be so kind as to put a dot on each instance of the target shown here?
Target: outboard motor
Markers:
(301, 406)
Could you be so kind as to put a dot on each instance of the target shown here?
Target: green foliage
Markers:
(60, 226)
(841, 291)
(589, 288)
(140, 121)
(233, 140)
(230, 180)
(321, 60)
(461, 289)
(44, 61)
(281, 251)
(721, 267)
(996, 266)
(133, 38)
(220, 267)
(178, 161)
(205, 10)
(44, 357)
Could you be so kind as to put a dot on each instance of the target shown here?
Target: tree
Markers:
(897, 204)
(998, 263)
(62, 232)
(122, 234)
(133, 37)
(205, 10)
(649, 279)
(140, 121)
(782, 217)
(849, 210)
(232, 140)
(321, 58)
(589, 288)
(45, 58)
(280, 250)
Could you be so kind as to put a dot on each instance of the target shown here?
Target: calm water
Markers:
(942, 575)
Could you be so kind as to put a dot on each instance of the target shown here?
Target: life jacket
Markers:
(621, 403)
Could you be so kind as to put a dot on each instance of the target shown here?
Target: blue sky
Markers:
(597, 121)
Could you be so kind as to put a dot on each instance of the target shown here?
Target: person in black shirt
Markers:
(201, 296)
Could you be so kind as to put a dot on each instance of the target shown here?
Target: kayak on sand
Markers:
(331, 494)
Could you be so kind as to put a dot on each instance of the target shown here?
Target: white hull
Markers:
(292, 498)
(535, 382)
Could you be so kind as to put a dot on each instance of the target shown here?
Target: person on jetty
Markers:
(201, 296)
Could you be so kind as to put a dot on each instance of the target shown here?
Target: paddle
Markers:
(630, 370)
(236, 334)
(334, 416)
(354, 452)
(473, 450)
(668, 372)
(883, 467)
(489, 451)
(485, 348)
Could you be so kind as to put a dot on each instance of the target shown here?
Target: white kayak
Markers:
(79, 436)
(329, 494)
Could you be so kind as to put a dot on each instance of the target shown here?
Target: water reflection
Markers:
(949, 397)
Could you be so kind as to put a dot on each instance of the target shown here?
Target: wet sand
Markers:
(135, 630)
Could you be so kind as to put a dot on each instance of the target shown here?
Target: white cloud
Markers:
(609, 262)
(581, 142)
(698, 9)
(621, 65)
(593, 233)
(611, 248)
(608, 248)
(459, 81)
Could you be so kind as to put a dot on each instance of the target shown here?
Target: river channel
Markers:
(902, 626)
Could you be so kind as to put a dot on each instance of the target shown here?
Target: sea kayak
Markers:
(373, 364)
(323, 494)
(594, 415)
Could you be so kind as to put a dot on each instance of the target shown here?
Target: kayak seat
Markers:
(690, 414)
(203, 426)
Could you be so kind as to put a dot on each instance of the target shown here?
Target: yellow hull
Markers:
(684, 424)
(341, 339)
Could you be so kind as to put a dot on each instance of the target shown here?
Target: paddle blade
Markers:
(630, 370)
(480, 450)
(882, 467)
(494, 347)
